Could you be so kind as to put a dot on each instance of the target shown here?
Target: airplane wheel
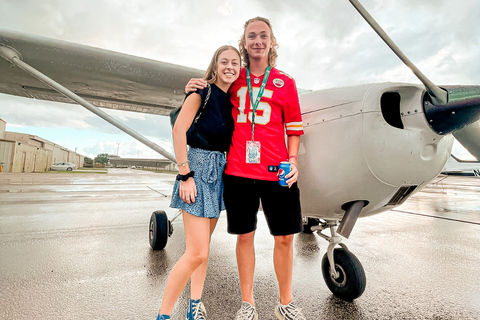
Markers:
(311, 222)
(159, 230)
(351, 282)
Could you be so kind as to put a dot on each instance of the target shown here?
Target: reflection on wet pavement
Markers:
(76, 247)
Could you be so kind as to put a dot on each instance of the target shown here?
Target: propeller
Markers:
(447, 109)
(469, 137)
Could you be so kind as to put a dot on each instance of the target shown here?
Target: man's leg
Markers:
(246, 265)
(283, 261)
(284, 220)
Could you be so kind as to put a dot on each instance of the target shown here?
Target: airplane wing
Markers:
(104, 78)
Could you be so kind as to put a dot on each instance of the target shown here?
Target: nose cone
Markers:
(462, 108)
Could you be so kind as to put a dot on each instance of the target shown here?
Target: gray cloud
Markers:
(323, 44)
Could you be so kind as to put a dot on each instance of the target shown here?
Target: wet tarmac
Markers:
(75, 246)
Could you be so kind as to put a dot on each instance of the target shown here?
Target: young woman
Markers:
(198, 190)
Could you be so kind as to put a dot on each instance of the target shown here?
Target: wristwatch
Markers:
(184, 177)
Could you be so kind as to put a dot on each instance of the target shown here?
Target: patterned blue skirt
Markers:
(208, 167)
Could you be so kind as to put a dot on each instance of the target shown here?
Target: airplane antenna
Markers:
(438, 95)
(163, 194)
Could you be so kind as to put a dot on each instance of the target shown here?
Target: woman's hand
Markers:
(194, 84)
(292, 175)
(188, 191)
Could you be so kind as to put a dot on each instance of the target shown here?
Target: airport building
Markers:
(162, 164)
(21, 152)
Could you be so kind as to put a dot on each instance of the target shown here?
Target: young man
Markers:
(265, 106)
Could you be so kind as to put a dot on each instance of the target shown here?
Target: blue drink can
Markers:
(283, 170)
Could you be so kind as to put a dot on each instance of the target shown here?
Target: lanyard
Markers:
(260, 93)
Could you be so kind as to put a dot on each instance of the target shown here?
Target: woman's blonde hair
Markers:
(272, 54)
(211, 73)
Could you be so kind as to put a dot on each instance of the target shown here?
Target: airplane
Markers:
(390, 139)
(455, 166)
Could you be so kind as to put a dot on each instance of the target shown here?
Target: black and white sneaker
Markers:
(289, 312)
(246, 312)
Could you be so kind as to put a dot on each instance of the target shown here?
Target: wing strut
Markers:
(15, 58)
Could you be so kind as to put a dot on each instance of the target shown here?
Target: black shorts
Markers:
(281, 205)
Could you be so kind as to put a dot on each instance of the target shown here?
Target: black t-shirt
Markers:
(215, 124)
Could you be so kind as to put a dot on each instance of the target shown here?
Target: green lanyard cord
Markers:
(259, 96)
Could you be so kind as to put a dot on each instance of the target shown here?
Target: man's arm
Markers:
(293, 144)
(194, 84)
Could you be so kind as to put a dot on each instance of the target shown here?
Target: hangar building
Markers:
(21, 152)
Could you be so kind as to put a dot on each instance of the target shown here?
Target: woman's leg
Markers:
(197, 238)
(198, 276)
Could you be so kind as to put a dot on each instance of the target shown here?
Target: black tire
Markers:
(69, 169)
(311, 222)
(158, 230)
(352, 281)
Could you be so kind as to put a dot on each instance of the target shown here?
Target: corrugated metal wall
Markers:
(31, 159)
(6, 155)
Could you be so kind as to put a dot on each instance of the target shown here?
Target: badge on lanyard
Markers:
(253, 152)
(253, 147)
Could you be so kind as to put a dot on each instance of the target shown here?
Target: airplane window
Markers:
(390, 105)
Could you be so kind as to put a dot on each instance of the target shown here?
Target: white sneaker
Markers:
(289, 312)
(246, 312)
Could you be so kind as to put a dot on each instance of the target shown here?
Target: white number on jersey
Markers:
(262, 106)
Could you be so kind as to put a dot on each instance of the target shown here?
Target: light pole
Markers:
(118, 147)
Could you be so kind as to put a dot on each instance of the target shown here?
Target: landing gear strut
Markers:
(342, 271)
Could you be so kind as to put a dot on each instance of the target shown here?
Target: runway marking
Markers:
(443, 218)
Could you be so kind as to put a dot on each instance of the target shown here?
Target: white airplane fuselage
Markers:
(351, 152)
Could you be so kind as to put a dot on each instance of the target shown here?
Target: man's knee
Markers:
(246, 238)
(284, 241)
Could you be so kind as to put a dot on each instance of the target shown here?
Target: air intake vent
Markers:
(390, 106)
(401, 195)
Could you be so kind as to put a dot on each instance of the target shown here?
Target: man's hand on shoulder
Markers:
(195, 84)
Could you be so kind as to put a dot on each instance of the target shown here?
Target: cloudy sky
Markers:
(323, 44)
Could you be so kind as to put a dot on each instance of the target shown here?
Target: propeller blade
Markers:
(469, 137)
(447, 109)
(438, 95)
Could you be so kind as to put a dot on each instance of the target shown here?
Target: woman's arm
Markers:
(179, 134)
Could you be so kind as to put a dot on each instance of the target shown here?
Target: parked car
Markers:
(63, 166)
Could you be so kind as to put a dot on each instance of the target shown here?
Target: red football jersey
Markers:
(277, 113)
